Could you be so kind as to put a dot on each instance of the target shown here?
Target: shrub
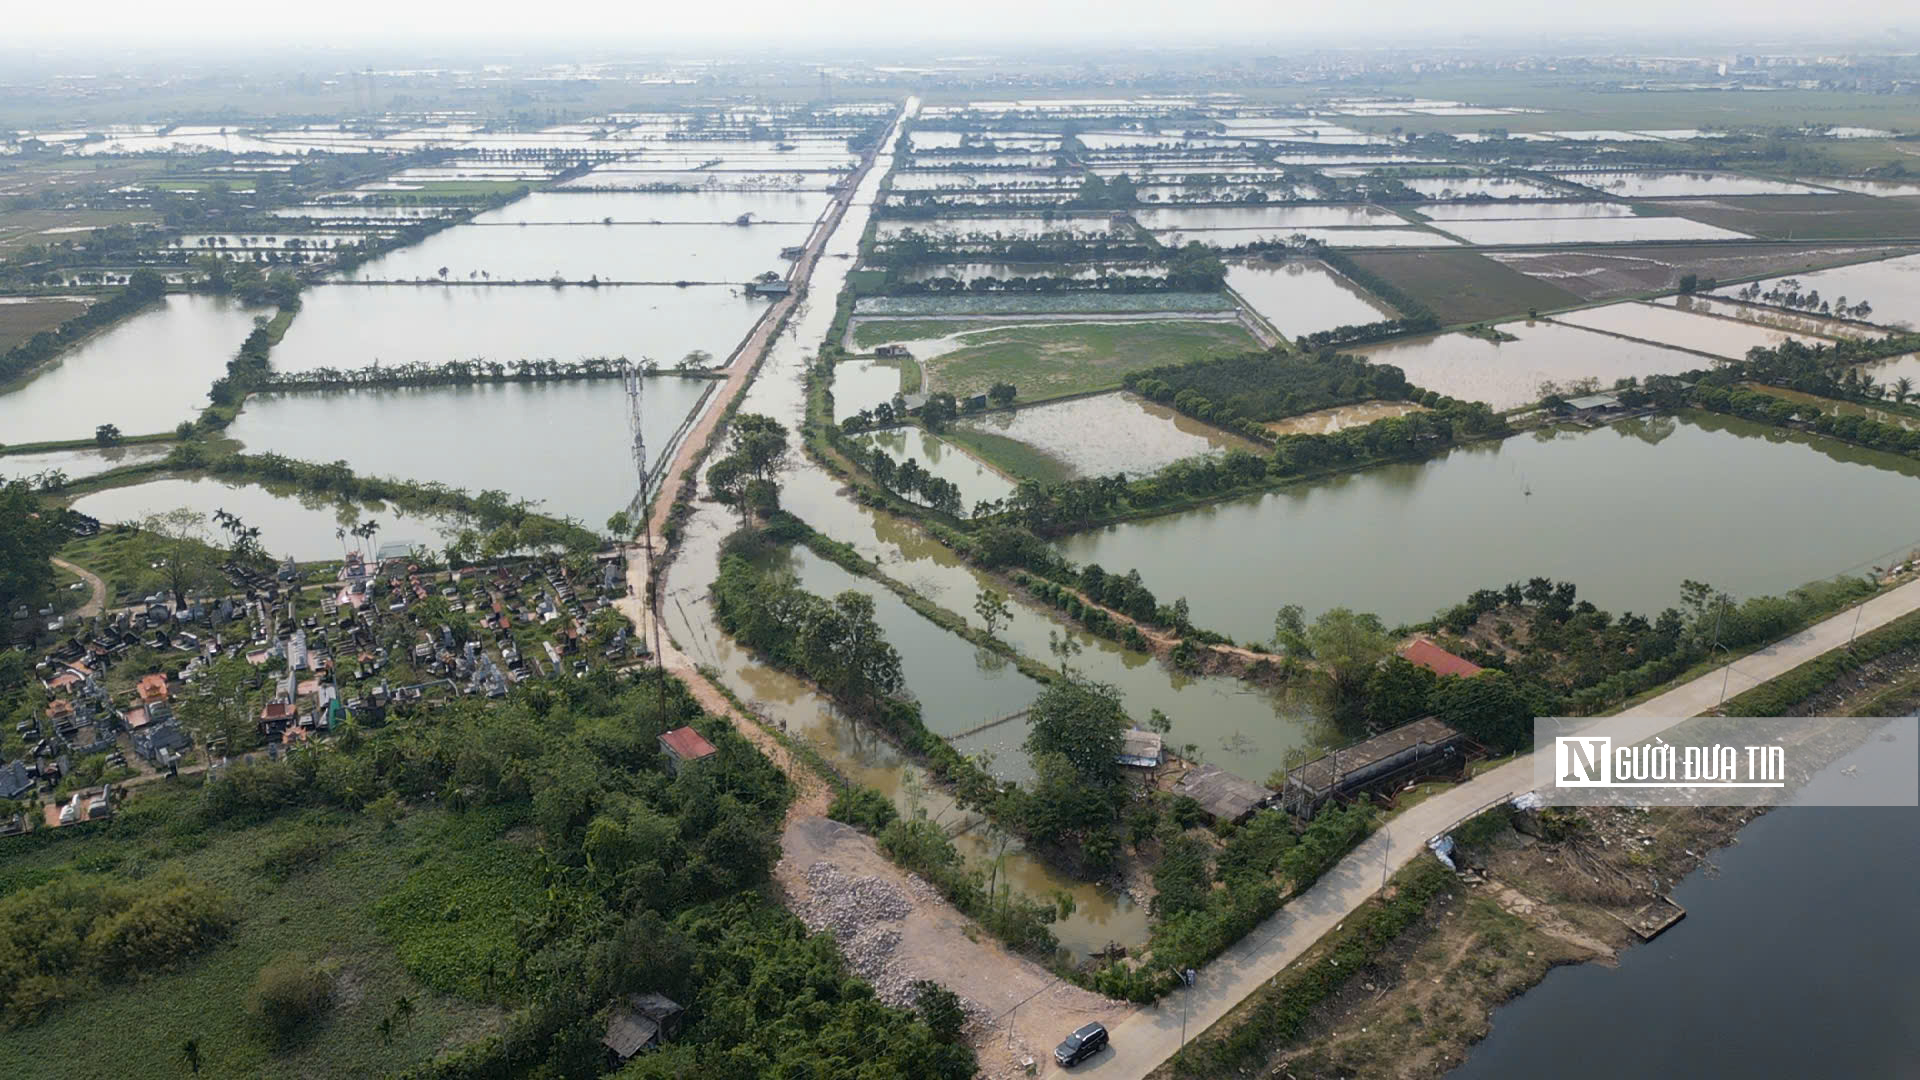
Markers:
(289, 996)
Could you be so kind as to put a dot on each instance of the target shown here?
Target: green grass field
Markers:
(1807, 217)
(1010, 456)
(1050, 359)
(19, 228)
(304, 884)
(1464, 287)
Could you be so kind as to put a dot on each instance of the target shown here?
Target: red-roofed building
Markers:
(682, 745)
(1438, 660)
(153, 687)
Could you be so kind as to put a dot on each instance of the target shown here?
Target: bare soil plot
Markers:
(20, 320)
(1807, 217)
(1625, 271)
(1465, 286)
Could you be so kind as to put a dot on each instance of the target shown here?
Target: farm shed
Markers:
(1437, 660)
(1224, 796)
(641, 1022)
(682, 745)
(1423, 746)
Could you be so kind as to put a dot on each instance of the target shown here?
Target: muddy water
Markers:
(1730, 338)
(1301, 297)
(78, 463)
(296, 525)
(1893, 369)
(1645, 185)
(1109, 433)
(1586, 230)
(943, 459)
(1264, 217)
(351, 326)
(1509, 374)
(1806, 326)
(1626, 512)
(657, 253)
(546, 208)
(1891, 286)
(564, 446)
(1241, 728)
(1838, 408)
(143, 375)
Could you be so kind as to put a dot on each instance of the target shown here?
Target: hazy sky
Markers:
(629, 23)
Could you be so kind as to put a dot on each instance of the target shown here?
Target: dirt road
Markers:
(98, 601)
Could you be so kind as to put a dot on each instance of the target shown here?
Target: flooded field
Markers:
(1657, 185)
(1586, 230)
(1006, 271)
(1005, 228)
(1341, 417)
(350, 326)
(1848, 408)
(1891, 286)
(1774, 318)
(143, 375)
(78, 463)
(1882, 188)
(1509, 374)
(1303, 297)
(961, 180)
(1482, 187)
(1730, 338)
(975, 479)
(1893, 369)
(300, 526)
(1109, 433)
(723, 207)
(1234, 238)
(655, 253)
(1505, 211)
(1263, 217)
(1063, 303)
(1627, 512)
(564, 446)
(862, 384)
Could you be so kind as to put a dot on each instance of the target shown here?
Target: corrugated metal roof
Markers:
(686, 744)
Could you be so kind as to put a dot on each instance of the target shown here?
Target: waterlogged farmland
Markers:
(1106, 434)
(1599, 507)
(300, 526)
(1509, 374)
(1300, 297)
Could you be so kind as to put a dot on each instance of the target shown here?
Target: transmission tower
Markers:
(635, 383)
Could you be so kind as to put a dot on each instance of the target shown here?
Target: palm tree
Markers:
(403, 1008)
(385, 1028)
(190, 1051)
(1902, 389)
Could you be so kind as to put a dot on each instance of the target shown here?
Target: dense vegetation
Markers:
(29, 536)
(1241, 392)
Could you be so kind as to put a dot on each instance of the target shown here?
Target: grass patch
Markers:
(455, 188)
(322, 913)
(1463, 286)
(1010, 456)
(19, 228)
(1807, 217)
(1052, 359)
(455, 916)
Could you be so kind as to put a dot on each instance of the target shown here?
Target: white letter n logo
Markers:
(1583, 760)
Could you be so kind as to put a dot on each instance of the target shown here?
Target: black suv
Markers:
(1081, 1045)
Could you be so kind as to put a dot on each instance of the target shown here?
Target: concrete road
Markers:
(1152, 1035)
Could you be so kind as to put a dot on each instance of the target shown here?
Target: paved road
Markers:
(95, 603)
(1151, 1035)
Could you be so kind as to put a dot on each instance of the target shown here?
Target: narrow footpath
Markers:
(1151, 1035)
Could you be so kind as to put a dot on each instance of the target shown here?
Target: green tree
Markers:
(106, 435)
(1348, 646)
(940, 1008)
(29, 537)
(190, 1053)
(1001, 394)
(1397, 692)
(1488, 707)
(176, 544)
(992, 608)
(1083, 721)
(727, 480)
(1183, 878)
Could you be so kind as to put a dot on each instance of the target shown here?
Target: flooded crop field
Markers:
(1586, 230)
(300, 526)
(1729, 338)
(350, 326)
(1263, 217)
(1656, 185)
(1805, 326)
(1600, 508)
(643, 253)
(712, 207)
(1357, 238)
(1891, 286)
(1615, 272)
(75, 464)
(1522, 211)
(143, 375)
(1483, 187)
(1303, 297)
(941, 457)
(1052, 225)
(1064, 303)
(564, 446)
(1507, 375)
(1107, 434)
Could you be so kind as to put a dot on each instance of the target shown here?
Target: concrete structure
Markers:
(1424, 746)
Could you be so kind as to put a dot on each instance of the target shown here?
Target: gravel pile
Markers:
(856, 911)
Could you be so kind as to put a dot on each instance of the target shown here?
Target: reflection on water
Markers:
(1775, 318)
(1626, 512)
(1109, 433)
(143, 375)
(1509, 374)
(657, 253)
(78, 463)
(1684, 329)
(1300, 297)
(943, 459)
(302, 526)
(1891, 287)
(564, 446)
